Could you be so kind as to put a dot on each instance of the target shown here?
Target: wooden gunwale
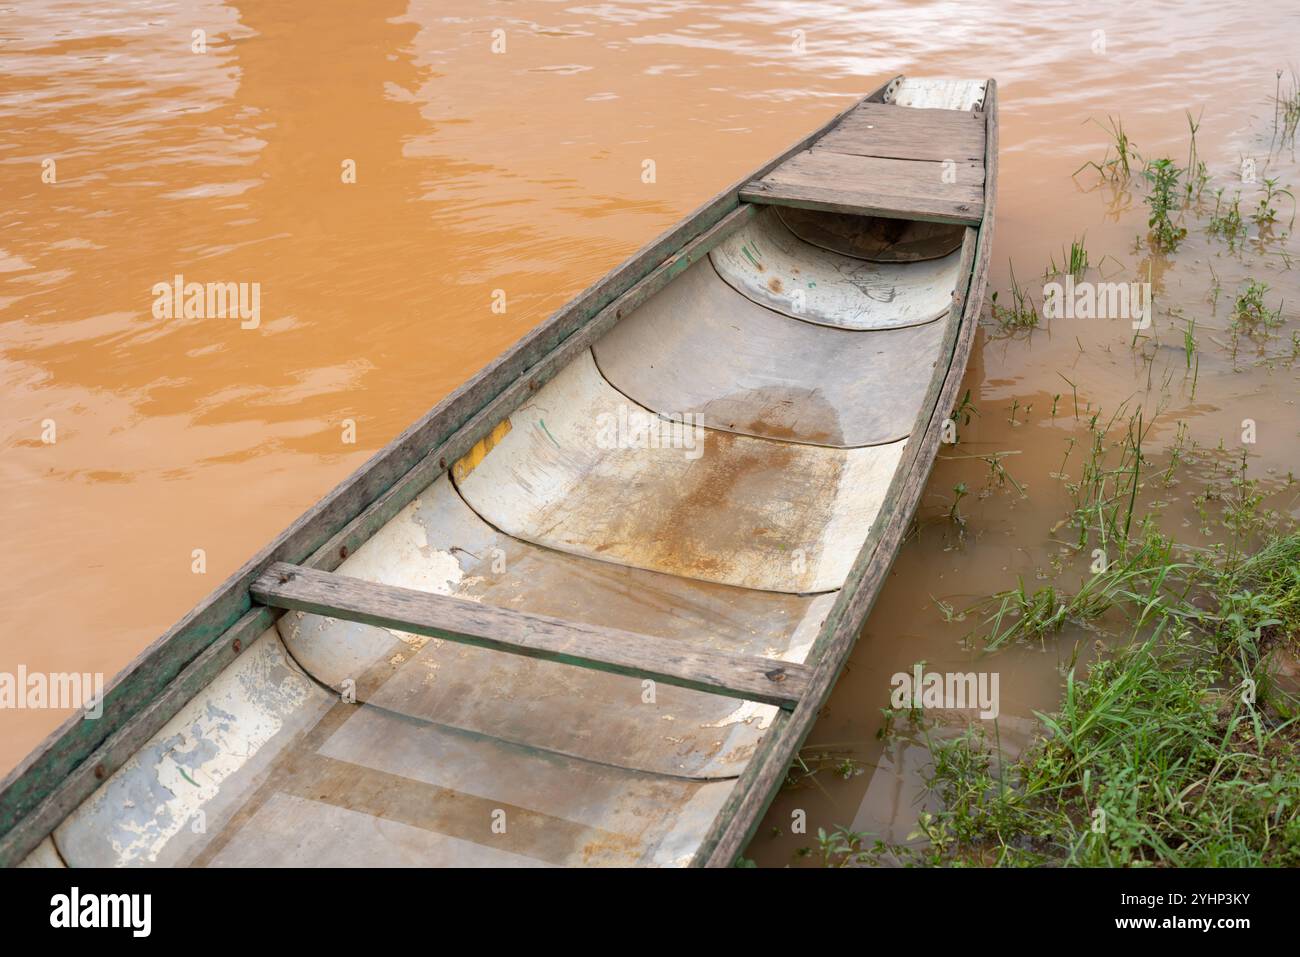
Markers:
(758, 783)
(71, 762)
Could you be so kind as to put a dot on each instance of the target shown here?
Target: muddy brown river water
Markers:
(520, 171)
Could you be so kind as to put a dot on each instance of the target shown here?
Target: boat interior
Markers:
(706, 473)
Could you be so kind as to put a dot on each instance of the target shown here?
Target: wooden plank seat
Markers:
(886, 159)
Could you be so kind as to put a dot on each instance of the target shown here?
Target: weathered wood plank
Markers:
(752, 678)
(897, 132)
(868, 185)
(761, 778)
(46, 773)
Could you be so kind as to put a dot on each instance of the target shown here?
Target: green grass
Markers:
(1265, 214)
(1287, 112)
(1157, 754)
(1152, 758)
(1119, 167)
(1198, 174)
(1021, 314)
(1074, 262)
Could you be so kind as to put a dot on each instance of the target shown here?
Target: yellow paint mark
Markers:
(479, 452)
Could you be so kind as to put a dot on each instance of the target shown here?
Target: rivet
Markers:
(343, 551)
(101, 772)
(777, 674)
(238, 646)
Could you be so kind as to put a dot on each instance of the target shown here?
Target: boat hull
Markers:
(718, 456)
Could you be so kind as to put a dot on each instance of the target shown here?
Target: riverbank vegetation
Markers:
(1178, 745)
(1177, 738)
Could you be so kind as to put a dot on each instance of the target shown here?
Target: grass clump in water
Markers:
(1117, 168)
(1021, 314)
(1225, 221)
(1180, 744)
(1251, 312)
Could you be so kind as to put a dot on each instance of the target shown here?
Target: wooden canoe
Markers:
(586, 610)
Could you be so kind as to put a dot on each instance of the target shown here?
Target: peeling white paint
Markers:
(143, 814)
(399, 555)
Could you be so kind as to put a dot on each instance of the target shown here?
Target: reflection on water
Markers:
(520, 171)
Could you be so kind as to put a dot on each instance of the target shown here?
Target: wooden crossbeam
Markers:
(873, 186)
(749, 677)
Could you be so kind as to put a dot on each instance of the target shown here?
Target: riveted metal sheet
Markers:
(701, 347)
(586, 471)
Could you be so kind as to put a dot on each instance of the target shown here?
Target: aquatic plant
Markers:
(1162, 175)
(1117, 168)
(1226, 221)
(1286, 114)
(1198, 174)
(1265, 214)
(959, 491)
(1250, 312)
(1177, 742)
(1021, 314)
(1074, 262)
(1176, 747)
